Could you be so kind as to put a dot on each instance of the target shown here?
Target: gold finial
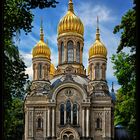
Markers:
(70, 7)
(41, 31)
(97, 30)
(112, 90)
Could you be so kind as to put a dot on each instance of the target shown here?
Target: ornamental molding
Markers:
(97, 88)
(68, 92)
(39, 88)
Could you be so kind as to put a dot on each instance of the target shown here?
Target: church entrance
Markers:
(68, 136)
(69, 133)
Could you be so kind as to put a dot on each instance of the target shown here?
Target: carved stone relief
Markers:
(39, 88)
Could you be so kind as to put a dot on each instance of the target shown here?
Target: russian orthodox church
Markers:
(65, 103)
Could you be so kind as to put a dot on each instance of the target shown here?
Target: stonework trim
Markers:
(70, 85)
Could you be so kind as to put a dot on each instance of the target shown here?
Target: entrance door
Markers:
(68, 137)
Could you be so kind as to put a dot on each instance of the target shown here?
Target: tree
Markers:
(15, 121)
(125, 71)
(17, 16)
(125, 108)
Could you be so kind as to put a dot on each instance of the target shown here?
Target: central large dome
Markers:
(70, 22)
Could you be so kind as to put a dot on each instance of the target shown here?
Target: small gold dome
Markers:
(70, 22)
(52, 69)
(98, 48)
(41, 49)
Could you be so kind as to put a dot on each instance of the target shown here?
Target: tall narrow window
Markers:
(62, 52)
(40, 70)
(78, 52)
(39, 123)
(98, 123)
(68, 111)
(62, 114)
(70, 51)
(75, 114)
(97, 72)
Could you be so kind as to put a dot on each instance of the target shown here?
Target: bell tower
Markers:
(41, 59)
(70, 43)
(97, 59)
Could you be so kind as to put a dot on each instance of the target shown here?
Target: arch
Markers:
(70, 52)
(69, 132)
(70, 85)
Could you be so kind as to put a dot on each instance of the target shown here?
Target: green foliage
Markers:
(17, 14)
(128, 25)
(125, 71)
(14, 121)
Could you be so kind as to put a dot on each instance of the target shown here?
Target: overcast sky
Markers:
(109, 13)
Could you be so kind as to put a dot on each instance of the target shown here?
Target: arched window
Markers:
(98, 123)
(62, 114)
(40, 123)
(70, 51)
(68, 111)
(75, 109)
(78, 52)
(62, 52)
(97, 71)
(40, 70)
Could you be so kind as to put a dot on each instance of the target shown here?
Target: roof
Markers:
(76, 78)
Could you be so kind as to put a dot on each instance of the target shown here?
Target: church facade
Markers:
(65, 103)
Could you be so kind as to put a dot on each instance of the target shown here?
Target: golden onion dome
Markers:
(41, 49)
(70, 22)
(52, 69)
(98, 48)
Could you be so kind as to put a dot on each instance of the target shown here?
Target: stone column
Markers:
(36, 73)
(43, 71)
(44, 123)
(31, 123)
(77, 117)
(71, 116)
(26, 125)
(59, 54)
(53, 122)
(48, 129)
(81, 53)
(65, 115)
(65, 53)
(83, 122)
(109, 118)
(104, 123)
(87, 122)
(74, 53)
(33, 71)
(93, 72)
